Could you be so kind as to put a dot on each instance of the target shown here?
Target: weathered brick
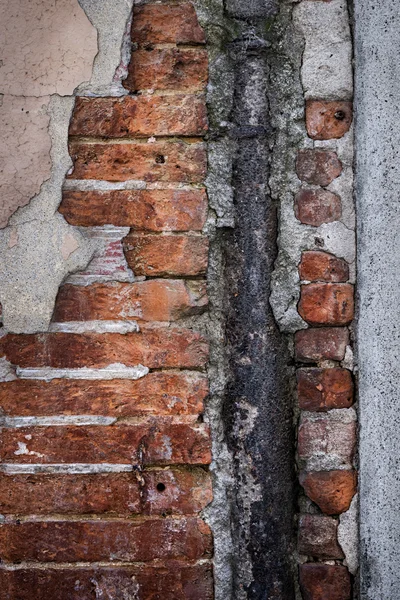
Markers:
(326, 439)
(332, 491)
(153, 300)
(318, 537)
(160, 393)
(324, 343)
(166, 23)
(166, 255)
(177, 491)
(138, 540)
(324, 389)
(318, 167)
(158, 442)
(327, 303)
(320, 582)
(129, 116)
(151, 210)
(314, 207)
(328, 120)
(155, 348)
(168, 69)
(172, 580)
(321, 266)
(176, 161)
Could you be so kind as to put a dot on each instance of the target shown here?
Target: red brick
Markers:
(138, 540)
(170, 581)
(324, 389)
(166, 255)
(175, 69)
(326, 438)
(166, 23)
(321, 266)
(157, 442)
(323, 582)
(185, 492)
(325, 343)
(155, 348)
(153, 300)
(318, 537)
(151, 210)
(176, 161)
(327, 303)
(160, 393)
(318, 167)
(178, 114)
(332, 491)
(328, 120)
(314, 207)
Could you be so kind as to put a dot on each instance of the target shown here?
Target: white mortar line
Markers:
(72, 468)
(62, 420)
(95, 327)
(113, 371)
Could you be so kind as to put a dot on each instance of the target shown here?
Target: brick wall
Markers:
(104, 453)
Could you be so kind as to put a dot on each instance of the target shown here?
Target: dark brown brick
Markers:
(158, 442)
(160, 393)
(151, 210)
(177, 69)
(324, 389)
(318, 537)
(166, 255)
(136, 541)
(314, 207)
(324, 343)
(328, 120)
(129, 116)
(323, 582)
(167, 491)
(321, 266)
(175, 161)
(318, 167)
(155, 348)
(332, 491)
(166, 23)
(327, 303)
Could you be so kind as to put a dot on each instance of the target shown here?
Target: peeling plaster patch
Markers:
(326, 70)
(68, 246)
(24, 450)
(7, 370)
(113, 371)
(348, 535)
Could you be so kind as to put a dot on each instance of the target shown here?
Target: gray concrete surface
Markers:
(377, 48)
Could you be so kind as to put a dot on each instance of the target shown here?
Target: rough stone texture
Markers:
(171, 255)
(332, 491)
(172, 581)
(312, 345)
(162, 393)
(348, 536)
(321, 266)
(318, 537)
(327, 303)
(178, 492)
(155, 300)
(324, 389)
(160, 24)
(327, 120)
(320, 582)
(314, 207)
(252, 8)
(155, 161)
(318, 167)
(377, 48)
(177, 114)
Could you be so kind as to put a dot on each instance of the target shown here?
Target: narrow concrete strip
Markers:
(114, 371)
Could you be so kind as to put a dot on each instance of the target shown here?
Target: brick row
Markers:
(158, 492)
(327, 439)
(166, 23)
(327, 303)
(320, 581)
(321, 266)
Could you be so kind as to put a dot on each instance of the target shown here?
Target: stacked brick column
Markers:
(104, 452)
(327, 428)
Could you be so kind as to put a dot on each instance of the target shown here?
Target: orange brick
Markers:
(327, 303)
(155, 348)
(324, 389)
(332, 491)
(129, 116)
(325, 343)
(166, 255)
(151, 210)
(328, 120)
(314, 207)
(168, 69)
(321, 266)
(166, 23)
(159, 161)
(318, 167)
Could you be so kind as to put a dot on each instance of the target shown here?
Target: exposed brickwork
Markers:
(314, 207)
(323, 437)
(319, 582)
(332, 491)
(318, 537)
(319, 167)
(166, 23)
(323, 389)
(321, 266)
(327, 303)
(313, 345)
(327, 120)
